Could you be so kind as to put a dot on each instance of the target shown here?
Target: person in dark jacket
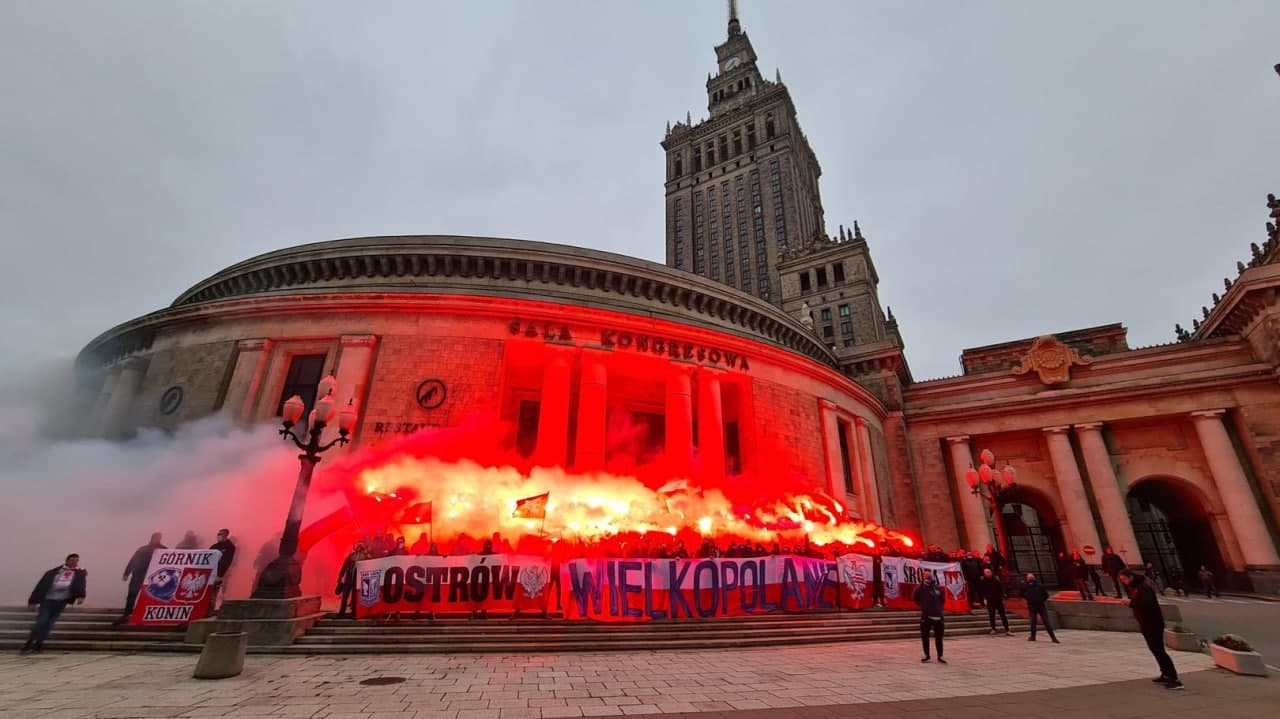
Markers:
(1112, 564)
(929, 598)
(1146, 609)
(1080, 572)
(1037, 597)
(971, 567)
(228, 550)
(57, 589)
(992, 591)
(135, 573)
(348, 579)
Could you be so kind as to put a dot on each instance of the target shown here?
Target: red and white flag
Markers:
(534, 507)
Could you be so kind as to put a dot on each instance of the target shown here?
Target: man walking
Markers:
(135, 573)
(228, 549)
(57, 588)
(1037, 597)
(929, 598)
(1146, 609)
(992, 590)
(1112, 564)
(1206, 581)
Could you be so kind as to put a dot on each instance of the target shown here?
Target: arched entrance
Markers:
(1174, 531)
(1034, 535)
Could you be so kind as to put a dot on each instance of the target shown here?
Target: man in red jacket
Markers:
(57, 589)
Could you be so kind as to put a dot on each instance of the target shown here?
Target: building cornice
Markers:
(504, 267)
(137, 335)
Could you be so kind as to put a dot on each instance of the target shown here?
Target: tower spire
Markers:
(735, 27)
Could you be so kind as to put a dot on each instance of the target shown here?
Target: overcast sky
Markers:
(1018, 167)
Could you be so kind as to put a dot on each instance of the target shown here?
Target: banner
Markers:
(901, 576)
(176, 588)
(464, 583)
(622, 590)
(857, 574)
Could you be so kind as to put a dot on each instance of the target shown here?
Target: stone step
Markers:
(367, 645)
(585, 630)
(90, 630)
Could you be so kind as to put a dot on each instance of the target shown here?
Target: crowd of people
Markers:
(986, 576)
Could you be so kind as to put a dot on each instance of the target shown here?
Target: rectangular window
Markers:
(827, 331)
(304, 374)
(846, 328)
(822, 276)
(846, 463)
(527, 427)
(826, 314)
(844, 310)
(838, 270)
(848, 341)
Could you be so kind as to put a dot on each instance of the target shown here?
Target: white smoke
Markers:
(103, 499)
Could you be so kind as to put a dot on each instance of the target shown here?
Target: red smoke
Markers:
(469, 487)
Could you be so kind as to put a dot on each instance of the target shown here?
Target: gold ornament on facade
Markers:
(1051, 359)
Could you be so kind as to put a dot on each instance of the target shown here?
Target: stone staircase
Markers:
(92, 630)
(500, 635)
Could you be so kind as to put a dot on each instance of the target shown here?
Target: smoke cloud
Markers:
(103, 499)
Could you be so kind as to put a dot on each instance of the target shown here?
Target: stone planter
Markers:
(1239, 662)
(222, 656)
(1181, 641)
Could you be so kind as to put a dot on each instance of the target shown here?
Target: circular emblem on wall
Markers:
(431, 393)
(171, 400)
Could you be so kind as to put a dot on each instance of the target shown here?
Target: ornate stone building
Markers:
(761, 347)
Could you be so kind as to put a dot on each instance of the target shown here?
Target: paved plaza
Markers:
(858, 679)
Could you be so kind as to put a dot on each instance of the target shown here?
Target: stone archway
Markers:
(1034, 533)
(1174, 530)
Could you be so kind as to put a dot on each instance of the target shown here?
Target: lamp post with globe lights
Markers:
(282, 578)
(988, 483)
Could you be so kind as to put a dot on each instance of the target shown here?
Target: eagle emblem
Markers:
(533, 579)
(855, 577)
(192, 585)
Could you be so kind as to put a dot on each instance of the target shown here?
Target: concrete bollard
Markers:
(222, 656)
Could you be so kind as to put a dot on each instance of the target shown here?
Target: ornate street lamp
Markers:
(988, 484)
(282, 578)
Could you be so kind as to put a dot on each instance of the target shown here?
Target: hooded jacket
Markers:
(929, 598)
(1145, 605)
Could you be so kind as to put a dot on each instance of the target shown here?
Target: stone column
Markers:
(352, 373)
(97, 425)
(246, 380)
(679, 420)
(553, 408)
(972, 509)
(831, 449)
(589, 448)
(710, 424)
(119, 410)
(1233, 486)
(867, 471)
(1075, 503)
(1106, 492)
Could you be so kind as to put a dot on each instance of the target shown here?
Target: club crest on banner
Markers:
(370, 587)
(163, 583)
(954, 582)
(192, 584)
(855, 577)
(534, 579)
(889, 575)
